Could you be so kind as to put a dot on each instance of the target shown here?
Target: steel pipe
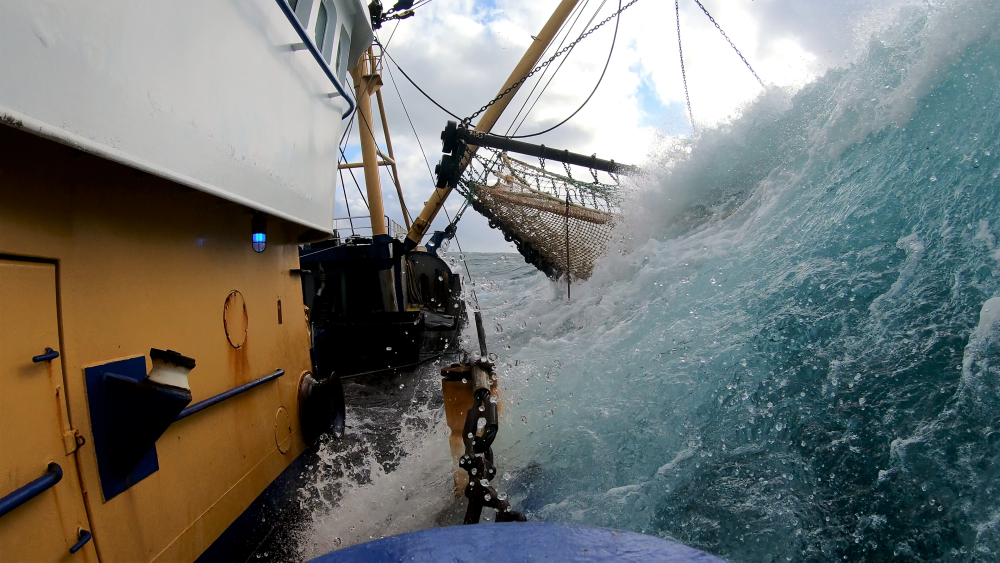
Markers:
(202, 405)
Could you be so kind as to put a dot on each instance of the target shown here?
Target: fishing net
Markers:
(557, 223)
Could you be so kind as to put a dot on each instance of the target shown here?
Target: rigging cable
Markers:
(427, 162)
(547, 84)
(614, 39)
(578, 10)
(410, 80)
(551, 78)
(731, 44)
(558, 54)
(343, 184)
(687, 96)
(412, 127)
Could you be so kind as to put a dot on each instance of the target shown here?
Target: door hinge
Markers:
(73, 440)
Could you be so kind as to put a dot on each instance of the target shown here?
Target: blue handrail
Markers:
(308, 42)
(85, 536)
(52, 476)
(200, 406)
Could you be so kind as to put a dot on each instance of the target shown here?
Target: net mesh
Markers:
(557, 223)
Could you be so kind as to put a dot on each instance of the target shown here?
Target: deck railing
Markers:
(360, 225)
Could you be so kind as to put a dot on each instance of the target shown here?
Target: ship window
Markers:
(343, 51)
(326, 25)
(301, 9)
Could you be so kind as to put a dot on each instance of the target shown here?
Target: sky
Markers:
(461, 52)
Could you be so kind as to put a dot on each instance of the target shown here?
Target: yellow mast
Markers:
(366, 82)
(531, 57)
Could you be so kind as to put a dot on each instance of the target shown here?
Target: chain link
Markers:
(468, 120)
(731, 44)
(680, 50)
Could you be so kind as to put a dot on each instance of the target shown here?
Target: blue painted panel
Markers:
(528, 541)
(111, 484)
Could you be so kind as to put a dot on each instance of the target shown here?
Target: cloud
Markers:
(461, 52)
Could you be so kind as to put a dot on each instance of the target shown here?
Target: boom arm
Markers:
(531, 57)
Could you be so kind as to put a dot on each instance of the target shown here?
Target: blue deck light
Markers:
(259, 237)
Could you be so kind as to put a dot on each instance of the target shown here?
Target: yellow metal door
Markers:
(34, 426)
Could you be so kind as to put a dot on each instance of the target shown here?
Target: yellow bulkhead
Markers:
(112, 262)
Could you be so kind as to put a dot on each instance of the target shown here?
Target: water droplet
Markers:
(482, 408)
(469, 435)
(481, 423)
(487, 497)
(388, 348)
(502, 496)
(933, 178)
(493, 399)
(779, 427)
(352, 528)
(506, 477)
(464, 380)
(822, 286)
(474, 471)
(440, 278)
(401, 385)
(524, 419)
(484, 482)
(402, 487)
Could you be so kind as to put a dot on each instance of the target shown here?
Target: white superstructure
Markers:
(218, 95)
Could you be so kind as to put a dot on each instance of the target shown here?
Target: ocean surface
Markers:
(794, 353)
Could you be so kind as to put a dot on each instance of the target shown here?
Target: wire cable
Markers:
(578, 11)
(419, 89)
(513, 87)
(551, 78)
(614, 39)
(412, 127)
(351, 170)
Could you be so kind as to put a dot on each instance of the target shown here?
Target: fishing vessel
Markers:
(178, 301)
(160, 166)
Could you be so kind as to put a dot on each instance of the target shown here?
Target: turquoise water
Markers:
(794, 356)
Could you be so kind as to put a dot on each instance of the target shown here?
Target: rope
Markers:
(680, 49)
(731, 44)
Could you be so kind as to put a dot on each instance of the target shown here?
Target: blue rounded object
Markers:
(519, 541)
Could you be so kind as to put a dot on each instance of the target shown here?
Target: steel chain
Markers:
(731, 44)
(468, 120)
(478, 459)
